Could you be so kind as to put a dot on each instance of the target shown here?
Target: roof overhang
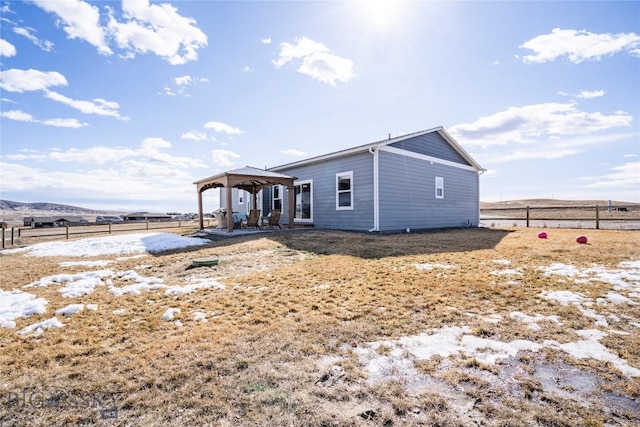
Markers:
(367, 147)
(248, 178)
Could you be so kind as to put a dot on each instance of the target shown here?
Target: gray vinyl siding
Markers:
(323, 174)
(235, 200)
(407, 194)
(431, 144)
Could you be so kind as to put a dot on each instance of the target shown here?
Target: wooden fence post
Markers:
(528, 216)
(13, 239)
(147, 225)
(109, 228)
(67, 231)
(3, 246)
(597, 217)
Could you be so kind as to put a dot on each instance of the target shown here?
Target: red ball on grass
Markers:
(581, 239)
(542, 235)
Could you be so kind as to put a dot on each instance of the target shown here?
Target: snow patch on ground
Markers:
(194, 284)
(14, 304)
(427, 266)
(111, 245)
(102, 263)
(38, 328)
(75, 284)
(70, 309)
(170, 313)
(533, 321)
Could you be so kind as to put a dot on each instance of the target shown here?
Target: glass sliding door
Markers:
(303, 193)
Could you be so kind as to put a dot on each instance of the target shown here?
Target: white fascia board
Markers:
(426, 158)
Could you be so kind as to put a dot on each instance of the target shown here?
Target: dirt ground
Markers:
(325, 328)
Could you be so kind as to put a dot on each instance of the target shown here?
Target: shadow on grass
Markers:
(372, 246)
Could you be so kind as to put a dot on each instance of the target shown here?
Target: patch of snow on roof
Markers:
(168, 315)
(14, 304)
(92, 307)
(38, 328)
(113, 245)
(502, 261)
(70, 309)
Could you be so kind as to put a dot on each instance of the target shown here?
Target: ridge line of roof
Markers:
(355, 149)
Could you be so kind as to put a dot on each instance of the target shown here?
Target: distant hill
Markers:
(9, 205)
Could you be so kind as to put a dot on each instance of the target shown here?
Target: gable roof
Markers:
(366, 147)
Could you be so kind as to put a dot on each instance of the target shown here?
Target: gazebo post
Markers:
(229, 210)
(200, 218)
(254, 197)
(292, 205)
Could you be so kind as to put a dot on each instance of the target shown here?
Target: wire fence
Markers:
(16, 236)
(594, 217)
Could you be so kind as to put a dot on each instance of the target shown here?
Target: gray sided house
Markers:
(418, 181)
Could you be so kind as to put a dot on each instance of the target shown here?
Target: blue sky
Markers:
(123, 105)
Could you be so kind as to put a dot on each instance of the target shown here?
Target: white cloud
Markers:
(246, 68)
(629, 156)
(179, 85)
(7, 49)
(223, 157)
(64, 123)
(152, 152)
(139, 182)
(27, 32)
(625, 176)
(579, 45)
(317, 62)
(16, 80)
(536, 122)
(194, 136)
(79, 20)
(98, 106)
(266, 40)
(223, 127)
(294, 153)
(26, 117)
(590, 94)
(157, 28)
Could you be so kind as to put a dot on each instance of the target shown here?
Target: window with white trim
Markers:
(276, 202)
(344, 190)
(439, 187)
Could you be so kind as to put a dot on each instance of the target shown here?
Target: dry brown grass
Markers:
(277, 347)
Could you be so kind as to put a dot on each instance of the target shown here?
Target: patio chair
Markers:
(253, 220)
(274, 219)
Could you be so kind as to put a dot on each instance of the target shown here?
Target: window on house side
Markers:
(344, 190)
(277, 198)
(439, 187)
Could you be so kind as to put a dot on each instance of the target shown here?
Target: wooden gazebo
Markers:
(247, 178)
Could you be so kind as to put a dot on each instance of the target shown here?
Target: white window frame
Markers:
(339, 175)
(439, 186)
(301, 183)
(274, 198)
